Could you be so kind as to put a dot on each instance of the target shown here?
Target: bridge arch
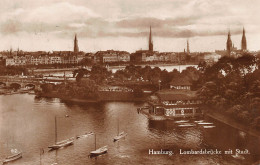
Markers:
(15, 86)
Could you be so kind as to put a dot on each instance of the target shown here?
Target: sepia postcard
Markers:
(129, 82)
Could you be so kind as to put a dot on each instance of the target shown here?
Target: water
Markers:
(27, 124)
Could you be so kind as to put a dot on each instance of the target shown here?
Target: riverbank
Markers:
(104, 97)
(231, 122)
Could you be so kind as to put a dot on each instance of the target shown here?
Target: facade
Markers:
(111, 56)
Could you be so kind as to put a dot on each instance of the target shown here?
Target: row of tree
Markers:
(232, 86)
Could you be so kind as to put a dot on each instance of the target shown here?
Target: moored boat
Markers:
(99, 151)
(119, 136)
(85, 135)
(181, 121)
(186, 125)
(61, 144)
(13, 157)
(209, 126)
(203, 123)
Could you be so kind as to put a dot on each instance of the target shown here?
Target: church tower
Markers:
(188, 47)
(150, 40)
(243, 41)
(76, 47)
(229, 44)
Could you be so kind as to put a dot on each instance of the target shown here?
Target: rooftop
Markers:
(176, 94)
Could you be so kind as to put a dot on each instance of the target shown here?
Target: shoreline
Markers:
(77, 100)
(231, 122)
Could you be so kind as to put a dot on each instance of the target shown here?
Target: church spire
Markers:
(150, 40)
(76, 47)
(188, 47)
(243, 41)
(229, 44)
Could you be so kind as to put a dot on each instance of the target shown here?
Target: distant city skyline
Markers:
(124, 25)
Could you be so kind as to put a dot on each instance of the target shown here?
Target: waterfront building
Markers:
(171, 104)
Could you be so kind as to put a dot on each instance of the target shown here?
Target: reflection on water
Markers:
(27, 124)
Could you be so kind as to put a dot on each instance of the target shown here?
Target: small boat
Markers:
(61, 144)
(99, 151)
(186, 125)
(119, 136)
(239, 157)
(13, 157)
(209, 126)
(199, 121)
(84, 135)
(181, 121)
(203, 123)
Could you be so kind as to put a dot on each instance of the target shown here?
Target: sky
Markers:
(48, 25)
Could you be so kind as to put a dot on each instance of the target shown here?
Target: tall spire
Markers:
(76, 47)
(150, 40)
(229, 44)
(243, 41)
(188, 47)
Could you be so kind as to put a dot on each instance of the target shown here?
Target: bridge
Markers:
(24, 81)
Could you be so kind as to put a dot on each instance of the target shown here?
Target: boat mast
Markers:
(55, 130)
(117, 125)
(95, 142)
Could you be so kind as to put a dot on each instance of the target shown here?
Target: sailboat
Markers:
(13, 157)
(98, 151)
(119, 135)
(63, 143)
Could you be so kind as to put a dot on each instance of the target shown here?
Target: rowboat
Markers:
(181, 121)
(13, 157)
(199, 121)
(186, 125)
(84, 135)
(61, 144)
(209, 126)
(99, 151)
(119, 136)
(203, 123)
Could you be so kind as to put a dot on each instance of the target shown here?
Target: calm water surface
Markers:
(27, 124)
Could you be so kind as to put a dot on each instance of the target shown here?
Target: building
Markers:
(111, 56)
(171, 104)
(180, 83)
